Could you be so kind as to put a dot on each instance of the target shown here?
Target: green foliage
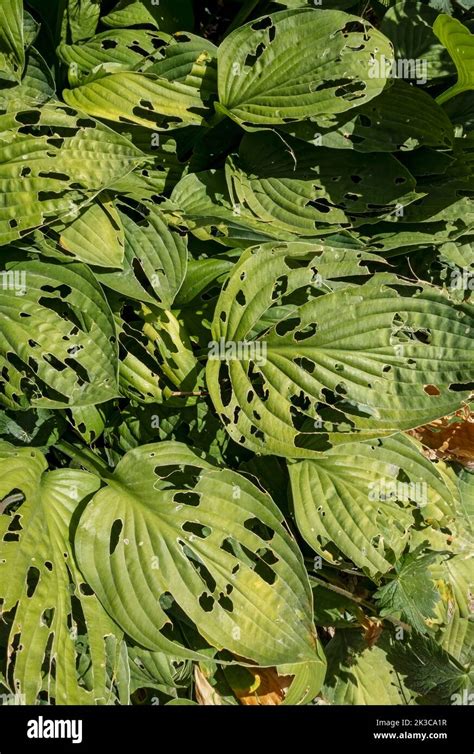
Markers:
(411, 593)
(236, 281)
(459, 42)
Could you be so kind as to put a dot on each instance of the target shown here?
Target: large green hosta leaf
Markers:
(95, 237)
(359, 362)
(300, 187)
(169, 522)
(125, 47)
(54, 610)
(459, 42)
(155, 258)
(57, 342)
(362, 499)
(12, 51)
(52, 162)
(300, 63)
(403, 117)
(145, 99)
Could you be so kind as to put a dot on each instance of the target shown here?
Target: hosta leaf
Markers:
(144, 99)
(356, 363)
(36, 87)
(165, 164)
(202, 203)
(41, 582)
(58, 345)
(157, 670)
(167, 16)
(458, 638)
(386, 237)
(267, 71)
(308, 678)
(202, 275)
(183, 56)
(466, 488)
(95, 237)
(40, 428)
(403, 118)
(191, 61)
(300, 187)
(128, 47)
(454, 578)
(358, 674)
(459, 42)
(30, 29)
(411, 595)
(336, 263)
(209, 538)
(12, 52)
(446, 199)
(155, 258)
(89, 422)
(418, 54)
(83, 17)
(362, 499)
(139, 424)
(54, 161)
(460, 110)
(458, 254)
(157, 359)
(331, 609)
(131, 13)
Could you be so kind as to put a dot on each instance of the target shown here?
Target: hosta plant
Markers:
(236, 352)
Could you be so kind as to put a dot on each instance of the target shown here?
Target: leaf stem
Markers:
(85, 457)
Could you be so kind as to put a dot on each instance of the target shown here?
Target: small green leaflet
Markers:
(412, 593)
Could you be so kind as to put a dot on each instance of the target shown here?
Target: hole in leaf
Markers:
(199, 530)
(32, 579)
(187, 498)
(207, 602)
(115, 531)
(250, 60)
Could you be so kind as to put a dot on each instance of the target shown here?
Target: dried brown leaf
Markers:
(450, 438)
